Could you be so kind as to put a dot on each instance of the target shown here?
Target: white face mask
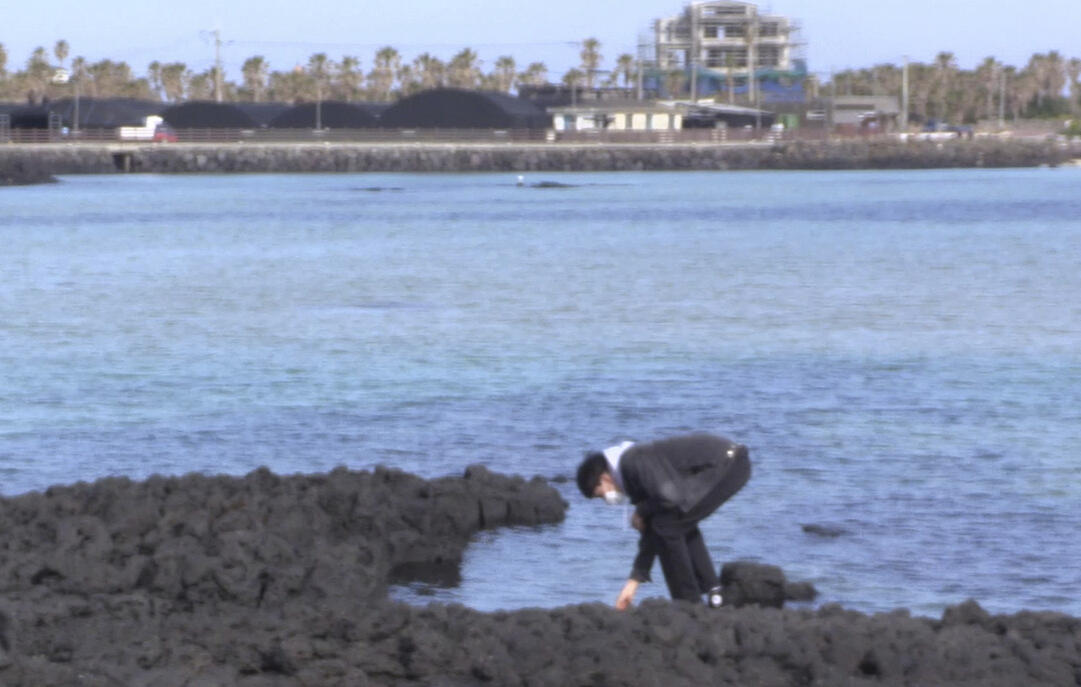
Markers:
(614, 498)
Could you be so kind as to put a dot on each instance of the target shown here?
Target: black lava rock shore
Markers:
(268, 581)
(24, 170)
(518, 158)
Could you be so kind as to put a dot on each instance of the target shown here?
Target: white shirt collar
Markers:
(612, 454)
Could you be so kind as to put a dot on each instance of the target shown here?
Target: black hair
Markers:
(589, 472)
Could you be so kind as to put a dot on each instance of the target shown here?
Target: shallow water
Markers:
(900, 350)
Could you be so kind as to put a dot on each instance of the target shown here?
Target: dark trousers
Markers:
(687, 567)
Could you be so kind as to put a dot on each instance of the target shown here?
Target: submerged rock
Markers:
(826, 531)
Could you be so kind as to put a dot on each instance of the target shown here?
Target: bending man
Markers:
(674, 484)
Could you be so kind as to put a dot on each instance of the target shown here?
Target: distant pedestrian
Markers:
(674, 484)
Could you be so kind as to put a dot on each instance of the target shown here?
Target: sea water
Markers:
(901, 350)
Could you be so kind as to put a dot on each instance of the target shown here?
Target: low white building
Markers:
(614, 116)
(876, 112)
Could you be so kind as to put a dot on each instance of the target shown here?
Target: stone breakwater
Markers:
(22, 169)
(267, 581)
(346, 157)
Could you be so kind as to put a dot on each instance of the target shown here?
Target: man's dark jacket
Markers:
(674, 474)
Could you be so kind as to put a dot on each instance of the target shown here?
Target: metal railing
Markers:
(395, 136)
(702, 136)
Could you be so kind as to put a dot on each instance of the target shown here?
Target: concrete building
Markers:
(630, 115)
(721, 44)
(866, 113)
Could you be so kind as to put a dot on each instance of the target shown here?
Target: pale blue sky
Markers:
(838, 33)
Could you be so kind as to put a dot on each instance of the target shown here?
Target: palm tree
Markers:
(201, 85)
(431, 72)
(885, 79)
(536, 74)
(1022, 90)
(350, 78)
(318, 72)
(78, 71)
(174, 81)
(153, 71)
(987, 74)
(288, 86)
(945, 72)
(1073, 72)
(921, 79)
(591, 59)
(573, 78)
(1048, 74)
(625, 64)
(255, 72)
(109, 78)
(464, 70)
(3, 61)
(408, 80)
(61, 50)
(1053, 78)
(505, 74)
(38, 74)
(387, 63)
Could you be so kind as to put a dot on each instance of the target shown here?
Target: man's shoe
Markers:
(714, 598)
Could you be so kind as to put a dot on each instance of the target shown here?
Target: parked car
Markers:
(163, 133)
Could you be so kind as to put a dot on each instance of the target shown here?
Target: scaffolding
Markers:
(727, 49)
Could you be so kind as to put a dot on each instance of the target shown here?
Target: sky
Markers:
(838, 34)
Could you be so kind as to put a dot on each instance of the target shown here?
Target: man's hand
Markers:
(626, 595)
(637, 522)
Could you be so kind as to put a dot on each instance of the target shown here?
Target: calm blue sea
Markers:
(900, 349)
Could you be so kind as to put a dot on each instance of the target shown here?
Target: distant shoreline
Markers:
(37, 162)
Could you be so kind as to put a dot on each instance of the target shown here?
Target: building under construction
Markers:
(728, 49)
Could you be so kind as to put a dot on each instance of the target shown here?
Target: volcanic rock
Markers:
(270, 581)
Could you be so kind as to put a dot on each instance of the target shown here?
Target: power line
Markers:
(408, 46)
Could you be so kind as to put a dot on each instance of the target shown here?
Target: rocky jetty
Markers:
(25, 170)
(270, 581)
(529, 157)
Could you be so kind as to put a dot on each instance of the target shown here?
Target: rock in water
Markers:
(745, 584)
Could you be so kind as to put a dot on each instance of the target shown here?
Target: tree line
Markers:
(1046, 86)
(322, 78)
(1049, 85)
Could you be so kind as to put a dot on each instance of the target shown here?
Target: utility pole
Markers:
(829, 110)
(904, 95)
(1002, 99)
(641, 48)
(218, 72)
(693, 61)
(752, 59)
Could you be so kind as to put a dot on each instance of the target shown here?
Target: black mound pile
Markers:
(268, 581)
(331, 114)
(454, 108)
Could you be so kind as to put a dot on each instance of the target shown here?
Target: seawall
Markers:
(539, 157)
